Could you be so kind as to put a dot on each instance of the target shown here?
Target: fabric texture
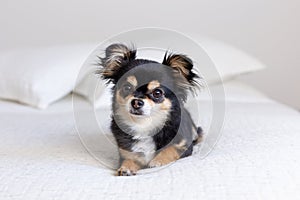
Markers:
(257, 156)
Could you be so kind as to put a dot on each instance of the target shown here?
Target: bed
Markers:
(51, 146)
(256, 157)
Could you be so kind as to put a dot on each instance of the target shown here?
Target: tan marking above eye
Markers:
(152, 85)
(132, 80)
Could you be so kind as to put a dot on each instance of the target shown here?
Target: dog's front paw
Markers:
(160, 161)
(156, 163)
(124, 171)
(165, 157)
(128, 168)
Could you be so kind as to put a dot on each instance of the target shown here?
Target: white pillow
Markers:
(229, 61)
(40, 76)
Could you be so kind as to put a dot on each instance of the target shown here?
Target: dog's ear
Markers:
(185, 77)
(116, 56)
(182, 64)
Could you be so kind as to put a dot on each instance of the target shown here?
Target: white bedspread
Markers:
(257, 157)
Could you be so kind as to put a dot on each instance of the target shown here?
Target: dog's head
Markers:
(145, 91)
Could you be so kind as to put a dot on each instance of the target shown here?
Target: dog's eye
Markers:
(157, 93)
(127, 88)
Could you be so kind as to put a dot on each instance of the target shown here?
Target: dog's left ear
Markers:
(181, 64)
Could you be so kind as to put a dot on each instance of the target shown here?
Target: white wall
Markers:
(268, 29)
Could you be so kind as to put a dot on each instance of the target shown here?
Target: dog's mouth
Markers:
(136, 112)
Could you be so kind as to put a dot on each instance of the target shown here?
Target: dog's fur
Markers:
(149, 122)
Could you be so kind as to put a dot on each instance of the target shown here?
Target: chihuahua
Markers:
(149, 122)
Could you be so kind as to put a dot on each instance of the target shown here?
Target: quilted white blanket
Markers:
(257, 157)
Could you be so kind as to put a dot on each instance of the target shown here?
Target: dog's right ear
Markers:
(116, 57)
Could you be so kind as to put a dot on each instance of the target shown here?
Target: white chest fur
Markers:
(146, 146)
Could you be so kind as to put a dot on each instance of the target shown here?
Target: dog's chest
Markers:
(146, 146)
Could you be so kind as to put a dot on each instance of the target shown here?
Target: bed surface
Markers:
(257, 156)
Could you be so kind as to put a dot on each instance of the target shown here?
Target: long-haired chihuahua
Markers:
(149, 122)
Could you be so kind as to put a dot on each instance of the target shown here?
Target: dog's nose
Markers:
(137, 103)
